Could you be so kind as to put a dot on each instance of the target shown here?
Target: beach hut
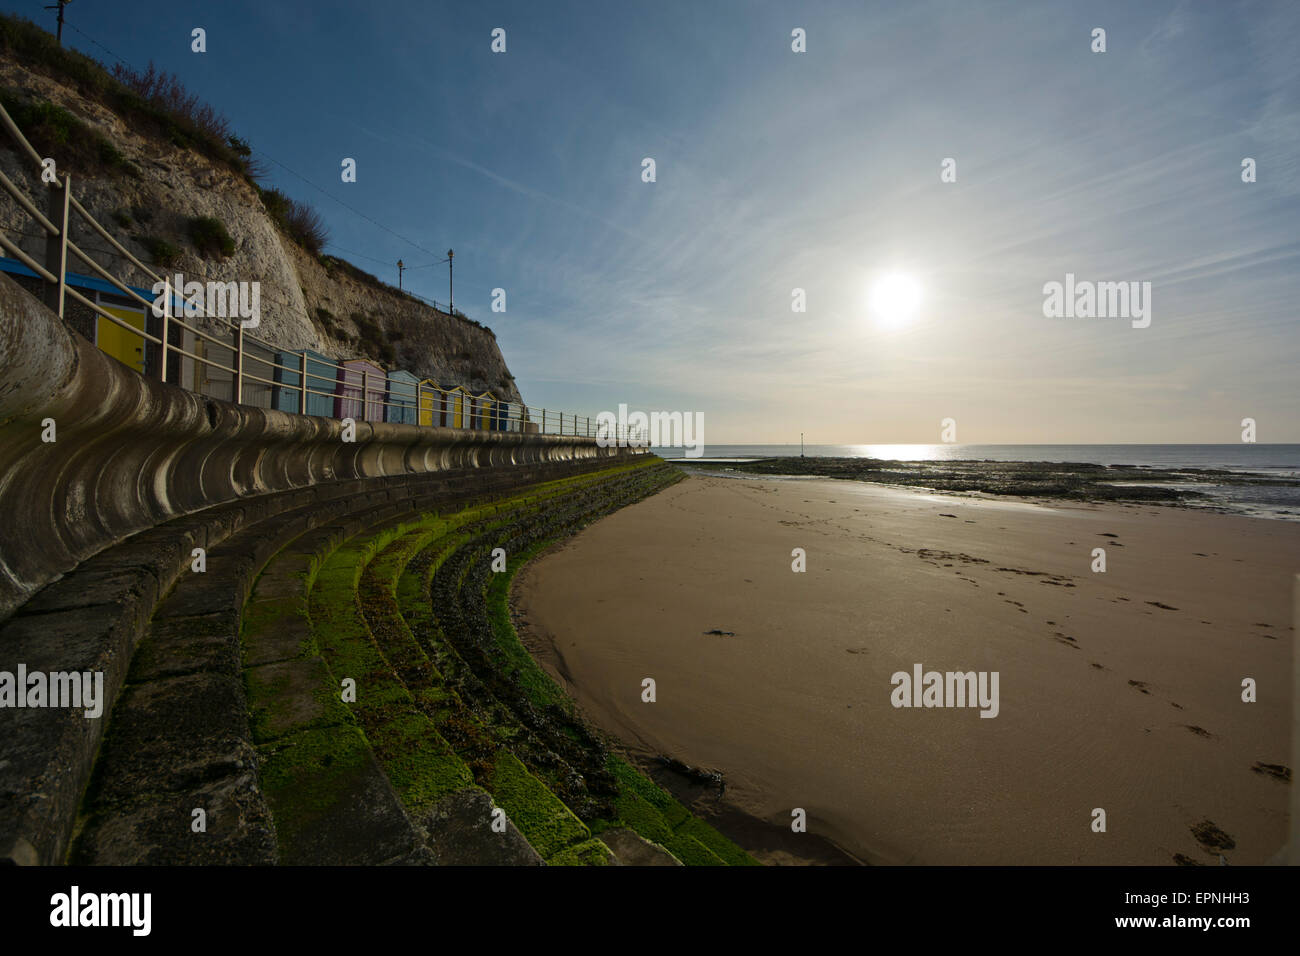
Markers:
(122, 344)
(512, 417)
(322, 382)
(360, 395)
(483, 411)
(431, 404)
(458, 402)
(401, 408)
(288, 378)
(127, 345)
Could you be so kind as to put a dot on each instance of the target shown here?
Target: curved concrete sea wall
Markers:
(128, 453)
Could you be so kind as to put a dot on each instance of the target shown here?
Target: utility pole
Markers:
(400, 267)
(451, 284)
(59, 6)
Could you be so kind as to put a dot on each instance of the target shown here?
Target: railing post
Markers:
(302, 381)
(239, 365)
(56, 247)
(365, 395)
(166, 324)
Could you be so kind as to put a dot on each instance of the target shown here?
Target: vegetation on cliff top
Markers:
(155, 104)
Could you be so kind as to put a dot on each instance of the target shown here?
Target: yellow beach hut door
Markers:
(427, 397)
(120, 343)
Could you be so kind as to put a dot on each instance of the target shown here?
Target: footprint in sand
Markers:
(1163, 607)
(1275, 770)
(1140, 685)
(1210, 837)
(1199, 731)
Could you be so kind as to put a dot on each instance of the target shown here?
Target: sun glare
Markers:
(894, 299)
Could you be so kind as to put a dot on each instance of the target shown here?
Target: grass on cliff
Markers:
(297, 220)
(153, 102)
(159, 250)
(210, 238)
(56, 134)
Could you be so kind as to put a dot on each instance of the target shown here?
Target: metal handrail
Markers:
(351, 384)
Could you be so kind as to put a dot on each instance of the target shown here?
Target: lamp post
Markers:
(451, 283)
(400, 267)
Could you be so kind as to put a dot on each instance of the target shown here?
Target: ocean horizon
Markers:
(1280, 459)
(1258, 499)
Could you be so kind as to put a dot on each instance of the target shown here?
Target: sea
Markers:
(1262, 499)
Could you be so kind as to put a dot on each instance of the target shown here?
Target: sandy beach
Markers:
(1119, 690)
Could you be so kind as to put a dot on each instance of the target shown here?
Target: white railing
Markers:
(298, 381)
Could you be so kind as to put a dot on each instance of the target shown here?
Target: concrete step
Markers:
(91, 621)
(181, 726)
(329, 796)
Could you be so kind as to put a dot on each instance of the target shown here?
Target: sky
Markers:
(778, 170)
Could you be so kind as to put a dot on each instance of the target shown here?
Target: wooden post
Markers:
(56, 247)
(166, 324)
(239, 365)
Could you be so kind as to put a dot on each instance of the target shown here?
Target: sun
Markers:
(895, 298)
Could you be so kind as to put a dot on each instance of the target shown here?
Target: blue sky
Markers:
(816, 170)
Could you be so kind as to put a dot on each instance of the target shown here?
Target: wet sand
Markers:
(1119, 690)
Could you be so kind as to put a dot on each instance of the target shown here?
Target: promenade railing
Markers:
(224, 360)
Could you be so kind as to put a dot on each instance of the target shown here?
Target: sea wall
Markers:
(91, 452)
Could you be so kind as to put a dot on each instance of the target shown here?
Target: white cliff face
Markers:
(306, 301)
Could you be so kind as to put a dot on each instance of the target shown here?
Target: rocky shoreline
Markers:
(1072, 481)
